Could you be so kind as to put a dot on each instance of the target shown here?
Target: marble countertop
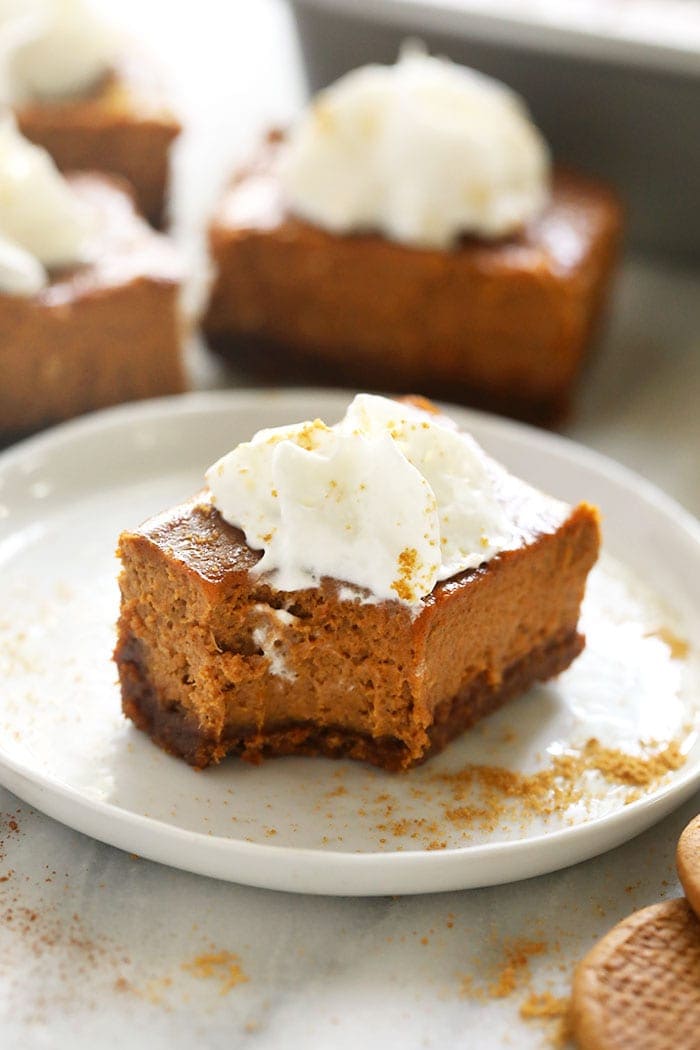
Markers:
(102, 949)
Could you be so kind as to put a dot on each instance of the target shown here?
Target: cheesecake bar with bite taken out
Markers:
(369, 589)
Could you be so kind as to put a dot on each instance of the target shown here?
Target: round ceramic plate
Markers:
(548, 781)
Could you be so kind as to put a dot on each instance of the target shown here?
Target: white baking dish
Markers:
(614, 84)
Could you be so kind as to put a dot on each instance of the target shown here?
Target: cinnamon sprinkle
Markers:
(512, 973)
(482, 798)
(223, 966)
(408, 563)
(638, 770)
(518, 954)
(546, 1007)
(550, 790)
(678, 647)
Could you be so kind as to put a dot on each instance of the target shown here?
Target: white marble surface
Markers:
(103, 963)
(95, 944)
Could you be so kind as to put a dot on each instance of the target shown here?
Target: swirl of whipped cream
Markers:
(391, 499)
(42, 224)
(51, 48)
(423, 151)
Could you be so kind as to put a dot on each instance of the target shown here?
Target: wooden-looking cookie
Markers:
(639, 987)
(688, 864)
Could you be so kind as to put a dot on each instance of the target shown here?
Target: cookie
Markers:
(688, 864)
(639, 987)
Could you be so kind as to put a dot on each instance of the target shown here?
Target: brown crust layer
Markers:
(269, 361)
(179, 733)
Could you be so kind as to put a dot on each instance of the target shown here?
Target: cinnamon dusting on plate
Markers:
(638, 770)
(482, 797)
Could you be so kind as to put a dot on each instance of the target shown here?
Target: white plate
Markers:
(311, 825)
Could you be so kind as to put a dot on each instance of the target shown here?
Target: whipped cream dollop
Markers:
(51, 48)
(392, 498)
(423, 152)
(42, 223)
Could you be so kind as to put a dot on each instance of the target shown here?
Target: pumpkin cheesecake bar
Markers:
(89, 294)
(409, 232)
(122, 125)
(505, 326)
(87, 95)
(376, 617)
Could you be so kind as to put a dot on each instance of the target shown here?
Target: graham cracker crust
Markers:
(268, 361)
